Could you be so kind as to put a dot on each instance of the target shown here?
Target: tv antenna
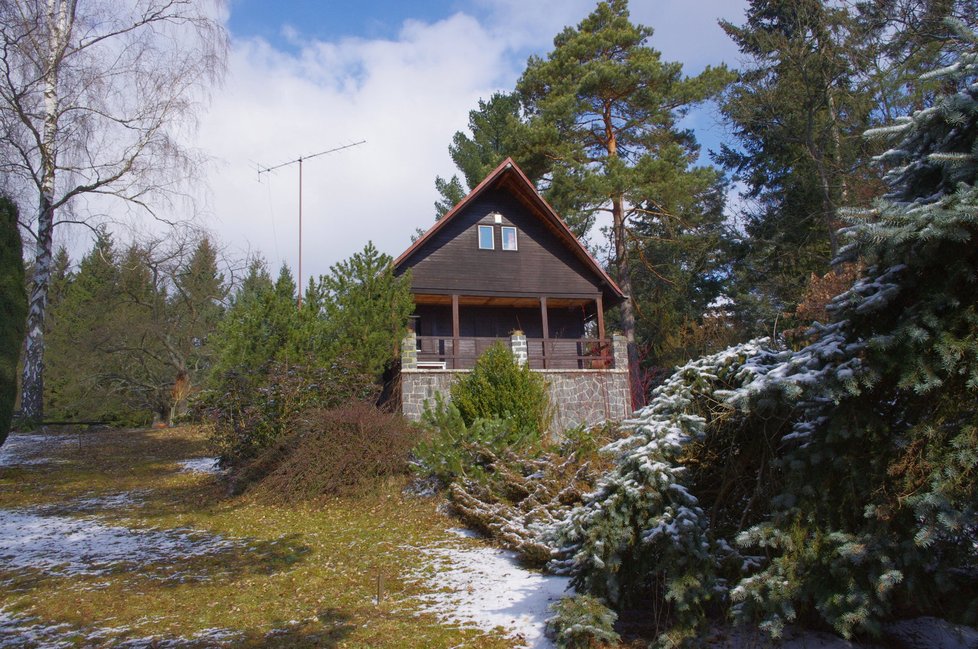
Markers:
(299, 161)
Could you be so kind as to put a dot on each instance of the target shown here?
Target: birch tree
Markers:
(97, 98)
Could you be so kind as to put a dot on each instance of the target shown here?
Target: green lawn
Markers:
(296, 576)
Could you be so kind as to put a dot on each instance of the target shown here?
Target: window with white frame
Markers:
(509, 238)
(486, 238)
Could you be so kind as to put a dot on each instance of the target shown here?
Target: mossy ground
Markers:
(302, 576)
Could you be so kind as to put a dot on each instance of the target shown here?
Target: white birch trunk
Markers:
(60, 15)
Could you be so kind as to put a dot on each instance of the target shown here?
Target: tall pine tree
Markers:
(603, 109)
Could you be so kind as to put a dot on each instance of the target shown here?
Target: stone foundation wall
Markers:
(578, 396)
(587, 396)
(420, 385)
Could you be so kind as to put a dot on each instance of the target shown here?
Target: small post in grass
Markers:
(380, 587)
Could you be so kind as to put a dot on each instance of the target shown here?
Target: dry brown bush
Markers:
(329, 452)
(814, 306)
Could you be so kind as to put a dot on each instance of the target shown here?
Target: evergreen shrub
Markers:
(582, 622)
(499, 405)
(500, 387)
(451, 448)
(13, 310)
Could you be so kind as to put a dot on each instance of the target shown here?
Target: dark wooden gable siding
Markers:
(451, 262)
(497, 322)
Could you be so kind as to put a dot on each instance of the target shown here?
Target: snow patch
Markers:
(200, 465)
(63, 545)
(20, 631)
(25, 631)
(28, 449)
(486, 588)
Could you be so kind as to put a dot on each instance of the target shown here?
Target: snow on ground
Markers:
(64, 545)
(67, 538)
(486, 588)
(25, 449)
(43, 538)
(200, 465)
(19, 631)
(23, 631)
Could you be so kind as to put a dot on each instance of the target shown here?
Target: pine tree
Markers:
(497, 129)
(13, 310)
(366, 308)
(603, 107)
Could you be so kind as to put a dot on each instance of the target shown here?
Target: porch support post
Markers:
(546, 328)
(599, 305)
(455, 330)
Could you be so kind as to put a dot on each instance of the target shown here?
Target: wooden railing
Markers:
(554, 353)
(570, 354)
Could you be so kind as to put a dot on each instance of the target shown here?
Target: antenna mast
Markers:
(299, 160)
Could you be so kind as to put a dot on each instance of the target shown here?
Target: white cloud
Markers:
(406, 96)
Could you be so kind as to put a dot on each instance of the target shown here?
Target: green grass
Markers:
(306, 574)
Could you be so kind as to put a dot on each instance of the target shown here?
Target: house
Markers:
(502, 265)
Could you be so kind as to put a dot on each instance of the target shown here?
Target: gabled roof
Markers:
(509, 175)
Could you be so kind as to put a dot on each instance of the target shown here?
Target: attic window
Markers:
(486, 239)
(509, 238)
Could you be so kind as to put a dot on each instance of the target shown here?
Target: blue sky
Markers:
(306, 76)
(330, 19)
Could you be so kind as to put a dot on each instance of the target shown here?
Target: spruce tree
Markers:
(81, 336)
(883, 512)
(798, 112)
(193, 312)
(255, 328)
(366, 308)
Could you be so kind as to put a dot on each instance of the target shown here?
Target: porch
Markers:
(450, 331)
(583, 380)
(446, 352)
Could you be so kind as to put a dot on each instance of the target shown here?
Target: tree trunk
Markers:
(620, 243)
(60, 15)
(627, 308)
(32, 399)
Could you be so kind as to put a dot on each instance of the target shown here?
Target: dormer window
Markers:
(487, 239)
(509, 238)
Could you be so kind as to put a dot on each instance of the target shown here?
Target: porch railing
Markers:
(553, 353)
(570, 354)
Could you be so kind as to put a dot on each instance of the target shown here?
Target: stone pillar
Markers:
(517, 342)
(619, 347)
(409, 351)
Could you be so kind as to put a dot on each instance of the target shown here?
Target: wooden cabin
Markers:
(503, 261)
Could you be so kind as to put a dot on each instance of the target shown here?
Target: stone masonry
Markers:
(578, 396)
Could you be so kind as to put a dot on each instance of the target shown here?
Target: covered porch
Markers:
(451, 331)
